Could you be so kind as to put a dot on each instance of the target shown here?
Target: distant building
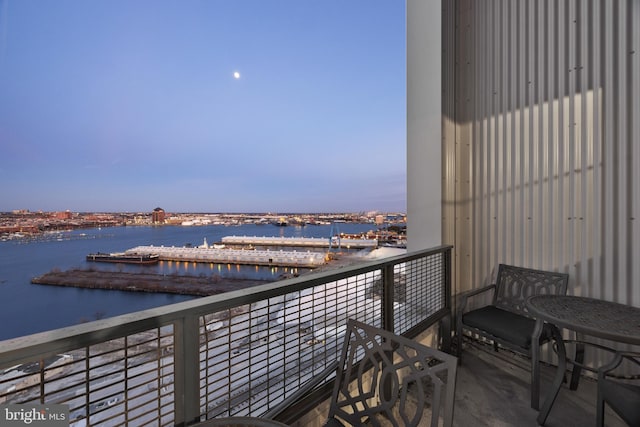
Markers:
(157, 216)
(62, 215)
(173, 220)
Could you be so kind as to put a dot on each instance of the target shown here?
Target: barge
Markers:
(127, 258)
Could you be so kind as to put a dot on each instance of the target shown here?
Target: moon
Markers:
(236, 75)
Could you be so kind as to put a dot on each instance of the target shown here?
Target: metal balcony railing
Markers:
(240, 353)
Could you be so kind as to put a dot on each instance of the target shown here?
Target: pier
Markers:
(234, 256)
(312, 242)
(145, 282)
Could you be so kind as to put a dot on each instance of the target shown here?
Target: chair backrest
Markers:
(385, 376)
(515, 284)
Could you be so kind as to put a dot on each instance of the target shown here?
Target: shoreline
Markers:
(198, 286)
(145, 282)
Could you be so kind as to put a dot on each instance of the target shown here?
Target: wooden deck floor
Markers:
(493, 390)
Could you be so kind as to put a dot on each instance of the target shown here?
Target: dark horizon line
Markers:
(211, 213)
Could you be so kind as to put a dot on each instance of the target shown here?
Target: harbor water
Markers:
(27, 308)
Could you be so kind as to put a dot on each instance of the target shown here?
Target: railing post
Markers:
(388, 294)
(445, 323)
(187, 370)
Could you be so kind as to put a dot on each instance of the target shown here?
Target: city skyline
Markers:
(243, 106)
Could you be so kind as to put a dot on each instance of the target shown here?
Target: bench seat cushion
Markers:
(508, 326)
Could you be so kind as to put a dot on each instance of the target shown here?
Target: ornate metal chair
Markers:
(622, 397)
(506, 320)
(383, 376)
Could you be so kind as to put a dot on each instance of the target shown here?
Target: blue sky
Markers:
(129, 105)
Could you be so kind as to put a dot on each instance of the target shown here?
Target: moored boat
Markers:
(281, 222)
(128, 258)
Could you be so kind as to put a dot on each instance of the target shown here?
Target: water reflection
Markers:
(231, 271)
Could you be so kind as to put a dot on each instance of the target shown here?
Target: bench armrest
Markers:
(465, 296)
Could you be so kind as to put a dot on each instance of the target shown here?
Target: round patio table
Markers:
(588, 316)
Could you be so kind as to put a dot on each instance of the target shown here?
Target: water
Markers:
(26, 308)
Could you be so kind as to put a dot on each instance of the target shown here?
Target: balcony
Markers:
(241, 353)
(254, 352)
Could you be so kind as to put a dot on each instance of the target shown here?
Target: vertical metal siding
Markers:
(547, 141)
(459, 181)
(634, 113)
(450, 180)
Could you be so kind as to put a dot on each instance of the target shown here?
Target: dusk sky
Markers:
(130, 105)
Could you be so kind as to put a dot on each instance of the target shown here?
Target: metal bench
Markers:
(506, 320)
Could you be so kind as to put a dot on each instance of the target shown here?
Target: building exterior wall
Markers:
(158, 216)
(542, 162)
(424, 135)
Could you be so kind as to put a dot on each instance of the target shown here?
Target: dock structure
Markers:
(234, 256)
(313, 242)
